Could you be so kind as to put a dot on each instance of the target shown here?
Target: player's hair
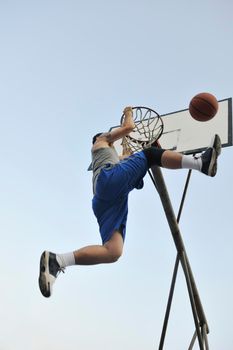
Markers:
(95, 137)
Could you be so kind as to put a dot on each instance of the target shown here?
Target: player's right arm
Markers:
(125, 129)
(105, 139)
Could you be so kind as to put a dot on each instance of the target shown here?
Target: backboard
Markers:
(182, 133)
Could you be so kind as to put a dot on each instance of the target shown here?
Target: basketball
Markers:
(203, 106)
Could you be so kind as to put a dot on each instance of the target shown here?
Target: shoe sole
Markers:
(44, 283)
(217, 146)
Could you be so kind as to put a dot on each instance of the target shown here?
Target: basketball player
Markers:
(113, 179)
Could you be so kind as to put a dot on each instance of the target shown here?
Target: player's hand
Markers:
(127, 110)
(127, 119)
(126, 150)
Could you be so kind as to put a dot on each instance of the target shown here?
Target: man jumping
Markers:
(113, 179)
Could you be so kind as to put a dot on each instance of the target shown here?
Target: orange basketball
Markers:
(203, 106)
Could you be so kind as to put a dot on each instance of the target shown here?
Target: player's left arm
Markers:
(126, 150)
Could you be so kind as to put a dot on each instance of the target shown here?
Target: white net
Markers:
(148, 129)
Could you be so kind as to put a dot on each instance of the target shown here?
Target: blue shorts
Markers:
(110, 203)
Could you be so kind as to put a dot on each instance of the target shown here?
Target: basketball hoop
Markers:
(148, 129)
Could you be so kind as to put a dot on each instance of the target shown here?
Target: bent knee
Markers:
(115, 255)
(114, 247)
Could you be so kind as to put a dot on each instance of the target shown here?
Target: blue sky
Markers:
(67, 70)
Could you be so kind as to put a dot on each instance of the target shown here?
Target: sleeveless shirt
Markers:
(100, 158)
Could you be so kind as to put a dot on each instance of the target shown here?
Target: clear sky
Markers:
(67, 69)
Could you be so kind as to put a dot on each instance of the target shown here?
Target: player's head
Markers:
(95, 137)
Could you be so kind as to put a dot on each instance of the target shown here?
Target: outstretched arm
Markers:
(126, 127)
(128, 118)
(116, 134)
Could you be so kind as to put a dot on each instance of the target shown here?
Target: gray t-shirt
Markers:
(100, 158)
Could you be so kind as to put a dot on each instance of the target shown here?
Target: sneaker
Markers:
(209, 157)
(49, 270)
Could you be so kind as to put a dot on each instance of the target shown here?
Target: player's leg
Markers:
(206, 163)
(96, 254)
(52, 264)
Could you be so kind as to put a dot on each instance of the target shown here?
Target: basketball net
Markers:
(148, 129)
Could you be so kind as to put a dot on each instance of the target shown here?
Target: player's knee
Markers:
(114, 253)
(153, 156)
(114, 247)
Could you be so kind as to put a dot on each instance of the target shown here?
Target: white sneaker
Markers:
(49, 270)
(210, 156)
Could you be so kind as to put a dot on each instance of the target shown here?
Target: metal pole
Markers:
(176, 266)
(169, 302)
(192, 341)
(183, 260)
(204, 331)
(162, 190)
